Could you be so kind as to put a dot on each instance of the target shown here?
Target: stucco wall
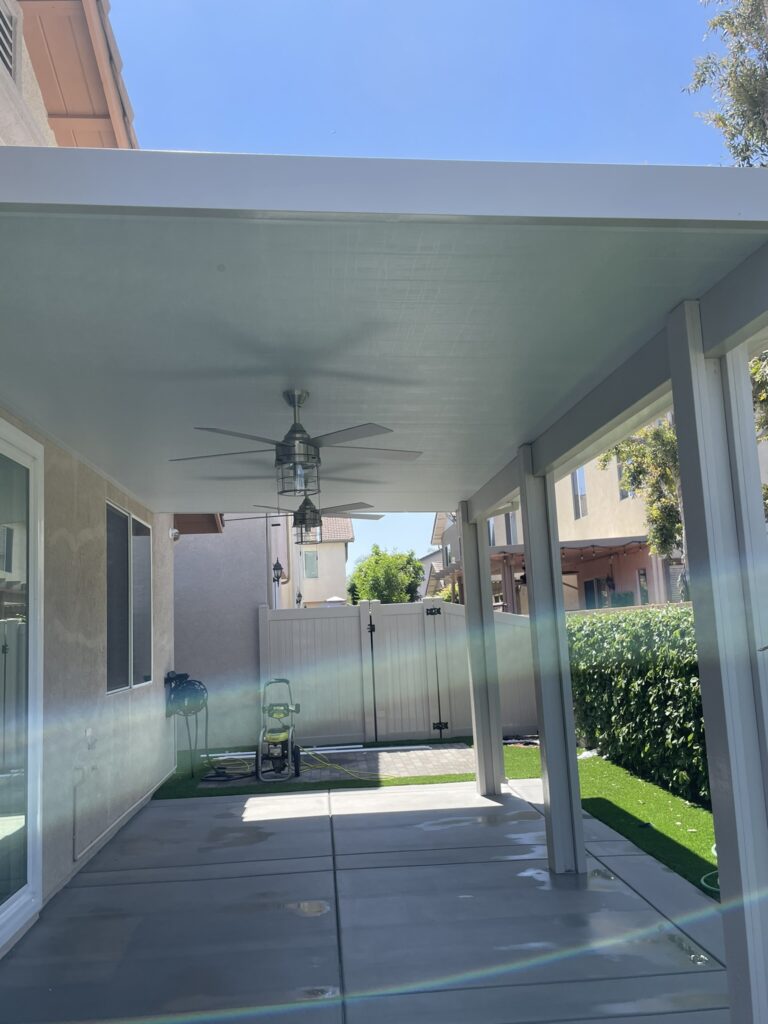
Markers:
(102, 753)
(607, 515)
(220, 582)
(331, 573)
(23, 117)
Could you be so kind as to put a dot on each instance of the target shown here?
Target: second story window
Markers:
(6, 39)
(579, 493)
(623, 491)
(310, 565)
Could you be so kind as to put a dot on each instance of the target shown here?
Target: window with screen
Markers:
(118, 599)
(129, 600)
(579, 492)
(310, 565)
(141, 601)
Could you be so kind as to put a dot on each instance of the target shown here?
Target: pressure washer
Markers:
(277, 745)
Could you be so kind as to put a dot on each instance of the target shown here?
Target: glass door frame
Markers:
(19, 910)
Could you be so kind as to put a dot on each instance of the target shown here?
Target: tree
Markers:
(650, 468)
(738, 78)
(391, 577)
(354, 593)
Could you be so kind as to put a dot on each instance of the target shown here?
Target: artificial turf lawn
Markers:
(673, 831)
(667, 827)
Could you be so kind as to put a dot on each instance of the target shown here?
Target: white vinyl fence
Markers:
(391, 672)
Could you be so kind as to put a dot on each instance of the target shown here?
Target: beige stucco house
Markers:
(603, 539)
(314, 575)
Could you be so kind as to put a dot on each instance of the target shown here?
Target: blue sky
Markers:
(599, 81)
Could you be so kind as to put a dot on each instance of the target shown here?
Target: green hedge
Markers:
(636, 694)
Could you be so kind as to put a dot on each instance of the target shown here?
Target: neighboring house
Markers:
(221, 580)
(603, 540)
(433, 567)
(314, 575)
(60, 81)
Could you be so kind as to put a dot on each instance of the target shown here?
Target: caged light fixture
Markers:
(307, 524)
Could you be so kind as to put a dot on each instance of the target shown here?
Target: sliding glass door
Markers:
(14, 675)
(19, 678)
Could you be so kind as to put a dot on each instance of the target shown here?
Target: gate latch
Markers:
(434, 611)
(371, 627)
(441, 726)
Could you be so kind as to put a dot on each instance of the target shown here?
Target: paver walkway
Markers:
(383, 906)
(374, 764)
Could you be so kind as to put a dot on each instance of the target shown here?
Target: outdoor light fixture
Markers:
(297, 459)
(277, 572)
(307, 523)
(294, 477)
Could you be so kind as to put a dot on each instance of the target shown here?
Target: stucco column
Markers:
(551, 668)
(481, 647)
(727, 560)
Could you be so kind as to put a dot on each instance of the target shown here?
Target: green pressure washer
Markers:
(278, 756)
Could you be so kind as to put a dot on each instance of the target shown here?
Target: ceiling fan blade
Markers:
(353, 515)
(264, 515)
(350, 434)
(380, 453)
(276, 508)
(352, 506)
(336, 479)
(245, 476)
(237, 433)
(221, 455)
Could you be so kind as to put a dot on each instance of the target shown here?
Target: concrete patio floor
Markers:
(420, 903)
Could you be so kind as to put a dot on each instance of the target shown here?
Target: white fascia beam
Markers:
(736, 308)
(145, 181)
(626, 399)
(490, 499)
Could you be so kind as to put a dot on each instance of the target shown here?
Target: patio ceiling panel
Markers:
(465, 306)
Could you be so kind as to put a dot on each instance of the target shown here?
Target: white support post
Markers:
(481, 647)
(726, 552)
(552, 672)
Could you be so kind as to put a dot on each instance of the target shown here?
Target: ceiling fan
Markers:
(297, 455)
(307, 519)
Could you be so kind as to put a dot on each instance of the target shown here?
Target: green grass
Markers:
(675, 832)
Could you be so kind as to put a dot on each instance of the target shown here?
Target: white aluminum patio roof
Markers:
(468, 306)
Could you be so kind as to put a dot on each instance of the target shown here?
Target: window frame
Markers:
(307, 575)
(131, 517)
(579, 493)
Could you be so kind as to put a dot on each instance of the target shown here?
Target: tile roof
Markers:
(336, 530)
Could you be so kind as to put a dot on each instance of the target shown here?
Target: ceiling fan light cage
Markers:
(308, 534)
(297, 478)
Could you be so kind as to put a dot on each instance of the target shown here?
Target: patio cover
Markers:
(146, 293)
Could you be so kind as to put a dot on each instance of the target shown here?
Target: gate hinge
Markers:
(441, 726)
(371, 627)
(434, 611)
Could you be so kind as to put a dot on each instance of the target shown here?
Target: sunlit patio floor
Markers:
(419, 903)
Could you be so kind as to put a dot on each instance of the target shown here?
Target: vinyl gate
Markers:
(391, 672)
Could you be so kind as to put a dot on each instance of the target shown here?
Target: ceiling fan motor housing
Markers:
(297, 462)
